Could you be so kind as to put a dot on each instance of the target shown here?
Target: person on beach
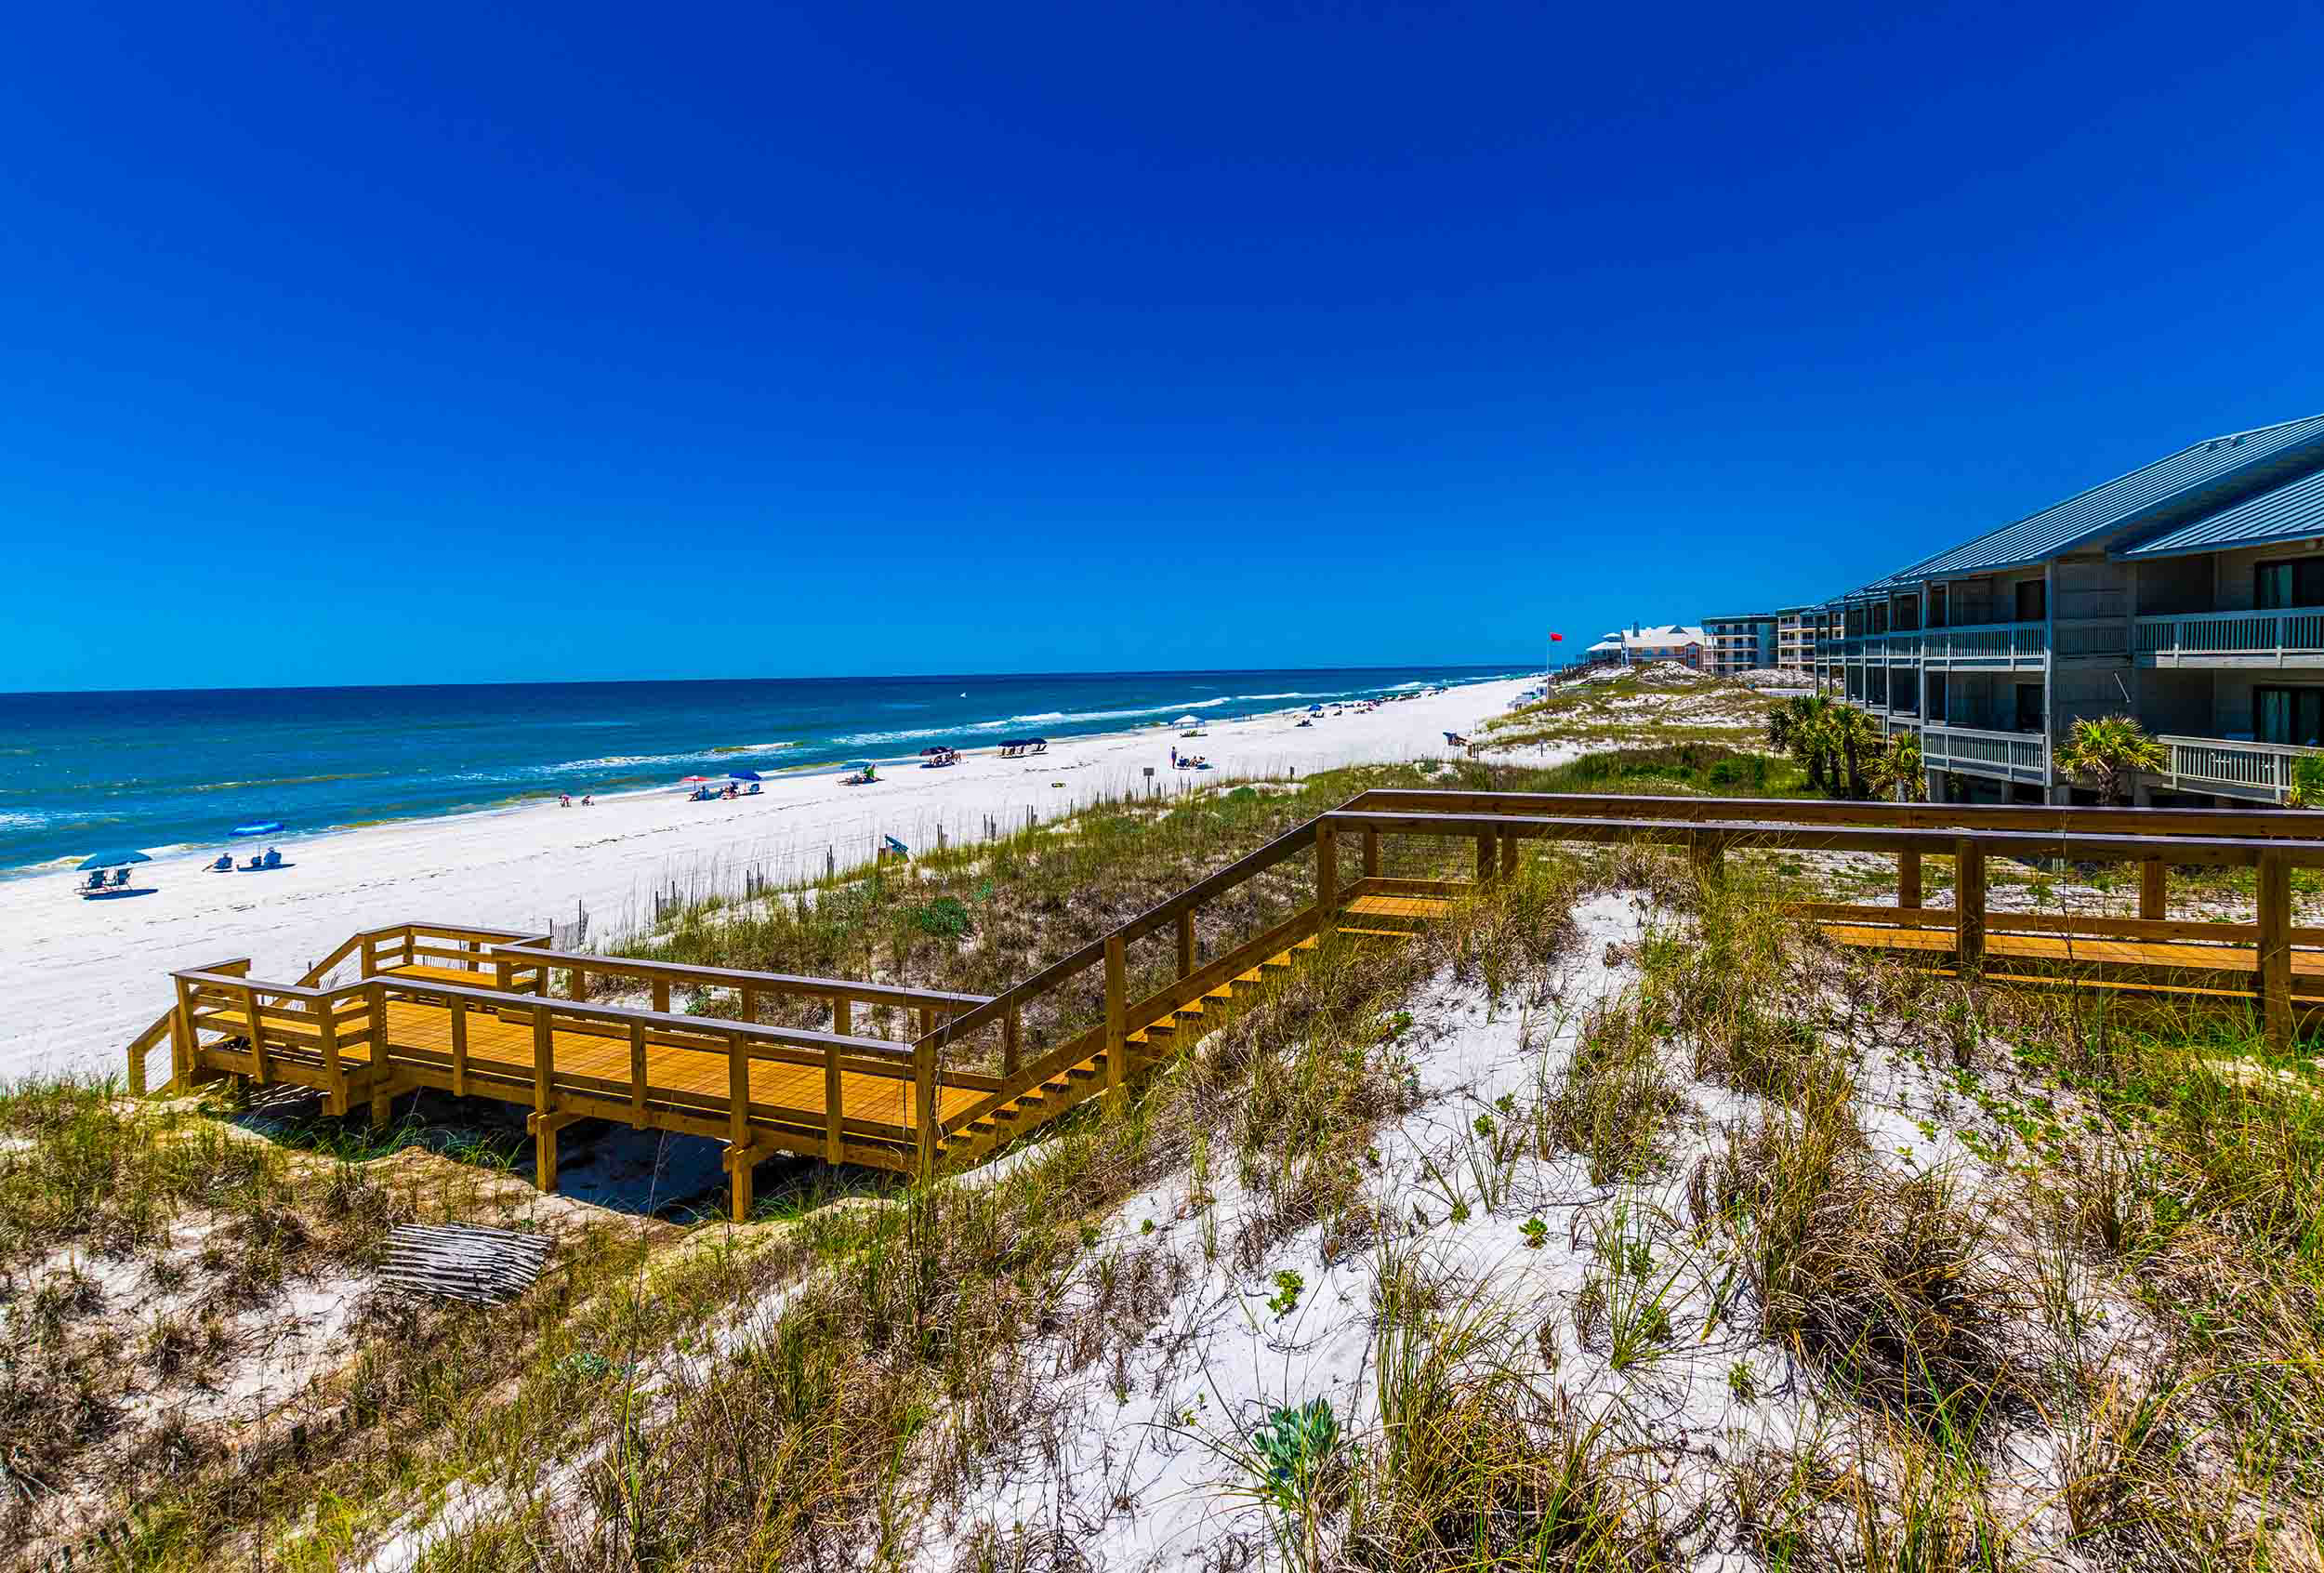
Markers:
(564, 799)
(586, 800)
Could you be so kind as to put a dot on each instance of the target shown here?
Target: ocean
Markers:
(168, 769)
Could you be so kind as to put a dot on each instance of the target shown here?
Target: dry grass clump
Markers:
(1616, 1098)
(1478, 1465)
(1884, 1280)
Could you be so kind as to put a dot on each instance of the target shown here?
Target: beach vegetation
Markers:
(1966, 1277)
(2107, 753)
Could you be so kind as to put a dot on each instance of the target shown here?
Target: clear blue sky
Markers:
(486, 342)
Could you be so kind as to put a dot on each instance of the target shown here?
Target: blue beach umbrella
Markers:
(115, 860)
(743, 775)
(259, 828)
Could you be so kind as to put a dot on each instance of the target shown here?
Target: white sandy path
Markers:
(78, 979)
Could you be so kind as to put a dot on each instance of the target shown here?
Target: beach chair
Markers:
(255, 864)
(96, 881)
(273, 858)
(225, 864)
(121, 877)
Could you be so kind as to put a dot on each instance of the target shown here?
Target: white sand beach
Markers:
(79, 978)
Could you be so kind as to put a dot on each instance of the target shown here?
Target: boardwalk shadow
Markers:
(650, 1173)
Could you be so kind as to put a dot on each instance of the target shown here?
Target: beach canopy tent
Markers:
(685, 779)
(1187, 720)
(114, 860)
(743, 775)
(259, 828)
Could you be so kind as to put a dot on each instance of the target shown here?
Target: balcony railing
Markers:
(2017, 755)
(1999, 644)
(2242, 639)
(2239, 770)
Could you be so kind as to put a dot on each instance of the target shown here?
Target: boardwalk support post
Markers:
(1117, 1024)
(1908, 879)
(738, 1153)
(1969, 905)
(544, 1129)
(2154, 900)
(833, 1111)
(1185, 944)
(1485, 857)
(1327, 875)
(637, 1075)
(927, 1126)
(1371, 854)
(2275, 948)
(1708, 853)
(1509, 858)
(1011, 1040)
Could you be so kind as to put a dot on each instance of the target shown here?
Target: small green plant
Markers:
(1289, 1285)
(945, 918)
(1291, 1449)
(1536, 1233)
(1742, 1383)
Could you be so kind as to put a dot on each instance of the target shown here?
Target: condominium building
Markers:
(1799, 630)
(1741, 643)
(2189, 594)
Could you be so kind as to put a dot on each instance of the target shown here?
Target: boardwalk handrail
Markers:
(740, 978)
(2290, 824)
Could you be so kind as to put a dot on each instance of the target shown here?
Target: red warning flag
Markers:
(1558, 639)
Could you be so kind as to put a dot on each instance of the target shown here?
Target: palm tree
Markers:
(1855, 737)
(1802, 726)
(1902, 773)
(2105, 752)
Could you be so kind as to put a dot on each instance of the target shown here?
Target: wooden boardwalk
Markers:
(490, 1014)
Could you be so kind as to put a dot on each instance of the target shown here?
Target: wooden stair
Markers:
(1150, 1043)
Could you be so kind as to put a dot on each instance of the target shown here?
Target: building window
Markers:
(2291, 716)
(1936, 606)
(2276, 586)
(2033, 601)
(2029, 707)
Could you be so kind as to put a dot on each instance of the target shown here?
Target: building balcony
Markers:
(1995, 646)
(2228, 769)
(2293, 637)
(2010, 756)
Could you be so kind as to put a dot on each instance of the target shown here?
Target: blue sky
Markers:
(578, 341)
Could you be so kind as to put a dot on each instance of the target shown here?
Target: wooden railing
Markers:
(2272, 842)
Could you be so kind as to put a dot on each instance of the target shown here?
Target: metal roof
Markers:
(2180, 479)
(2286, 513)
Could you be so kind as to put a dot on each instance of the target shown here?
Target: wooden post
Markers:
(1117, 1024)
(1485, 857)
(924, 1103)
(382, 1100)
(578, 982)
(1909, 878)
(459, 1048)
(544, 1099)
(833, 1106)
(371, 956)
(2154, 898)
(1969, 905)
(2275, 916)
(750, 1006)
(257, 1036)
(1509, 858)
(1708, 855)
(661, 995)
(738, 1123)
(1371, 854)
(181, 1040)
(1326, 874)
(1012, 1034)
(637, 1075)
(327, 1029)
(1186, 941)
